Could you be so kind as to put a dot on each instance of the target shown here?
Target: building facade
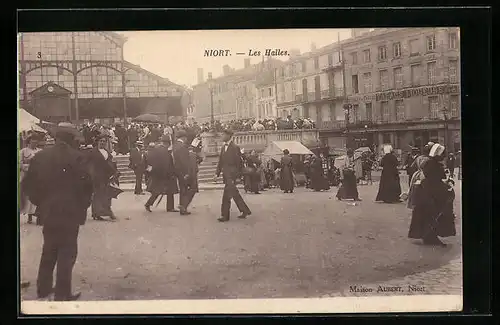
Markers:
(404, 87)
(232, 95)
(245, 94)
(83, 76)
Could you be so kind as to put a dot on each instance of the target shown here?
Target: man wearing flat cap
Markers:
(231, 166)
(185, 175)
(162, 179)
(60, 185)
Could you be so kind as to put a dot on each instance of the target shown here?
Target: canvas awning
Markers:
(27, 122)
(275, 149)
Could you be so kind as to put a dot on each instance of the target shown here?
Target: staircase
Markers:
(206, 172)
(127, 175)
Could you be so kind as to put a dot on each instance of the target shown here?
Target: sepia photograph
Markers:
(240, 171)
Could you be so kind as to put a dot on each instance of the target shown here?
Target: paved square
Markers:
(305, 244)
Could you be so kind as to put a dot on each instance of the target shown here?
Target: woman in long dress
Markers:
(390, 187)
(319, 181)
(418, 175)
(286, 177)
(432, 215)
(103, 170)
(348, 188)
(25, 156)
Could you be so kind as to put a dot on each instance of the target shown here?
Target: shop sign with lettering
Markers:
(422, 91)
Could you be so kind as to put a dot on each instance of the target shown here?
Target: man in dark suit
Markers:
(59, 184)
(137, 165)
(182, 161)
(231, 165)
(162, 175)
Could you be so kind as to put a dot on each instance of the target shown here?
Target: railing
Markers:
(259, 140)
(332, 125)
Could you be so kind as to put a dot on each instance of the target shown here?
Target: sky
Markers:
(177, 55)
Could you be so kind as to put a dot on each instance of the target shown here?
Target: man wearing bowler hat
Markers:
(60, 185)
(182, 162)
(231, 165)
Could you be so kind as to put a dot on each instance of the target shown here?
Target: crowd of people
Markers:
(252, 124)
(59, 183)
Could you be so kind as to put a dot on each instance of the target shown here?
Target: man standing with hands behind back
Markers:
(231, 165)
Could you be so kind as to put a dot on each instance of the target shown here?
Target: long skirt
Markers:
(319, 181)
(433, 212)
(390, 187)
(101, 201)
(417, 177)
(287, 182)
(348, 188)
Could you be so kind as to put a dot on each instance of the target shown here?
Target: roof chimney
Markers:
(210, 76)
(247, 63)
(226, 69)
(313, 47)
(200, 76)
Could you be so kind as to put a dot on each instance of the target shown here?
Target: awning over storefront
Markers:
(27, 122)
(275, 149)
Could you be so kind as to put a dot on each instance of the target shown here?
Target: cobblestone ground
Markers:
(304, 244)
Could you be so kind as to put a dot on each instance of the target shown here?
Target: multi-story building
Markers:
(245, 94)
(226, 93)
(83, 75)
(404, 87)
(311, 85)
(266, 89)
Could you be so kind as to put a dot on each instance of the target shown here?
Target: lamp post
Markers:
(445, 116)
(211, 89)
(347, 111)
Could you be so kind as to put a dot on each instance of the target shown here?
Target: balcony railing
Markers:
(332, 125)
(259, 140)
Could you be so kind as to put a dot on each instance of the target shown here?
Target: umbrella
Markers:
(148, 118)
(114, 191)
(359, 152)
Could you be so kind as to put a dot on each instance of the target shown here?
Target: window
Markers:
(261, 93)
(431, 43)
(382, 53)
(453, 67)
(304, 66)
(414, 47)
(400, 110)
(367, 82)
(434, 107)
(355, 86)
(398, 78)
(354, 57)
(384, 80)
(316, 63)
(454, 106)
(357, 113)
(270, 91)
(452, 40)
(431, 73)
(366, 56)
(396, 50)
(385, 113)
(415, 75)
(368, 107)
(282, 70)
(330, 59)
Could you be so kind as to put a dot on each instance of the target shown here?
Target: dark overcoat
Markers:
(162, 178)
(59, 184)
